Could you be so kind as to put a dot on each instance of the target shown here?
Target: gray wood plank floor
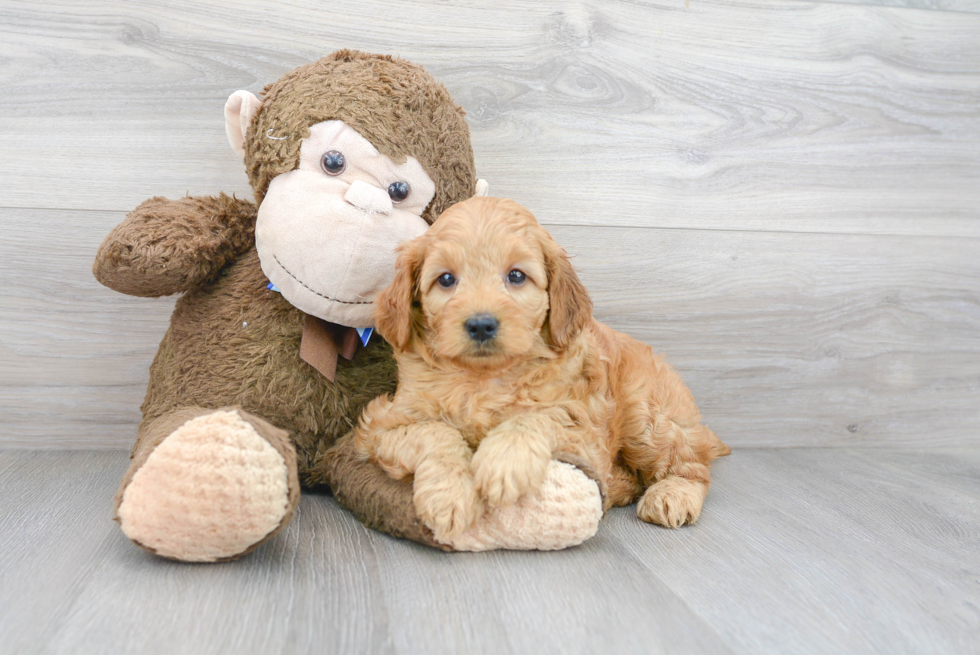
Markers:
(970, 6)
(798, 551)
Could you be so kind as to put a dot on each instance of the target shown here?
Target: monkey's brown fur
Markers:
(551, 378)
(394, 104)
(231, 341)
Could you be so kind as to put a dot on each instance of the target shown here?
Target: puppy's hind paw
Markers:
(672, 502)
(447, 506)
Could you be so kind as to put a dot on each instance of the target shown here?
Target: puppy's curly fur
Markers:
(501, 366)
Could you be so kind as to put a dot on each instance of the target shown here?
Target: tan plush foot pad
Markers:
(209, 491)
(564, 513)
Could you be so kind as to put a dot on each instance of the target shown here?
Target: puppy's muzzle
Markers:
(481, 327)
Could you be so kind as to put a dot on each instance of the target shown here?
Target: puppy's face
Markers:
(483, 288)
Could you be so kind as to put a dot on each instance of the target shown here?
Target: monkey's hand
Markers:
(168, 246)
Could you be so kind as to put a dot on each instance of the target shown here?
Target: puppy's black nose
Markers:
(481, 327)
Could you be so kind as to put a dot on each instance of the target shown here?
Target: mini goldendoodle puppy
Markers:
(501, 366)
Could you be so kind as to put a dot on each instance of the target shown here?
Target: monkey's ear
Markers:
(570, 306)
(482, 188)
(393, 308)
(240, 109)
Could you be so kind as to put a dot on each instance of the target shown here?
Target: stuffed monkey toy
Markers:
(269, 358)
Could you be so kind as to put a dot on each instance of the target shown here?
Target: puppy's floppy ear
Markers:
(570, 306)
(393, 308)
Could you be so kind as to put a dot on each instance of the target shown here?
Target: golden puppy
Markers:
(501, 366)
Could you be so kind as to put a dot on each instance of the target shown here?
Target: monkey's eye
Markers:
(446, 280)
(333, 162)
(398, 191)
(516, 277)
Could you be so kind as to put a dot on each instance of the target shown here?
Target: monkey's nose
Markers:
(481, 327)
(368, 197)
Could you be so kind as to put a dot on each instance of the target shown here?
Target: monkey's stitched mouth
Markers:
(311, 289)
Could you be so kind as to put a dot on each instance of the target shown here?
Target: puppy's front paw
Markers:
(447, 503)
(672, 502)
(503, 472)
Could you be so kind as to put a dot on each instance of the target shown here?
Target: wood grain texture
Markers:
(74, 356)
(771, 115)
(968, 6)
(830, 551)
(802, 551)
(785, 339)
(746, 149)
(782, 197)
(55, 515)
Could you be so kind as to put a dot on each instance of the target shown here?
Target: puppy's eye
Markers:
(333, 162)
(446, 280)
(398, 191)
(516, 277)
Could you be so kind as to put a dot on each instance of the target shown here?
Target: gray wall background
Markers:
(783, 197)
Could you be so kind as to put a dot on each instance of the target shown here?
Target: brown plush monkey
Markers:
(262, 370)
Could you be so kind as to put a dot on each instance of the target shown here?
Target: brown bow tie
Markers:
(323, 342)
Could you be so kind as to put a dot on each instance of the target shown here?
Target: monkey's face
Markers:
(327, 231)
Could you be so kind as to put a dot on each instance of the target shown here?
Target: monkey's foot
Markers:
(213, 489)
(564, 512)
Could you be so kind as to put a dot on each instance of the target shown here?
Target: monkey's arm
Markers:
(167, 246)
